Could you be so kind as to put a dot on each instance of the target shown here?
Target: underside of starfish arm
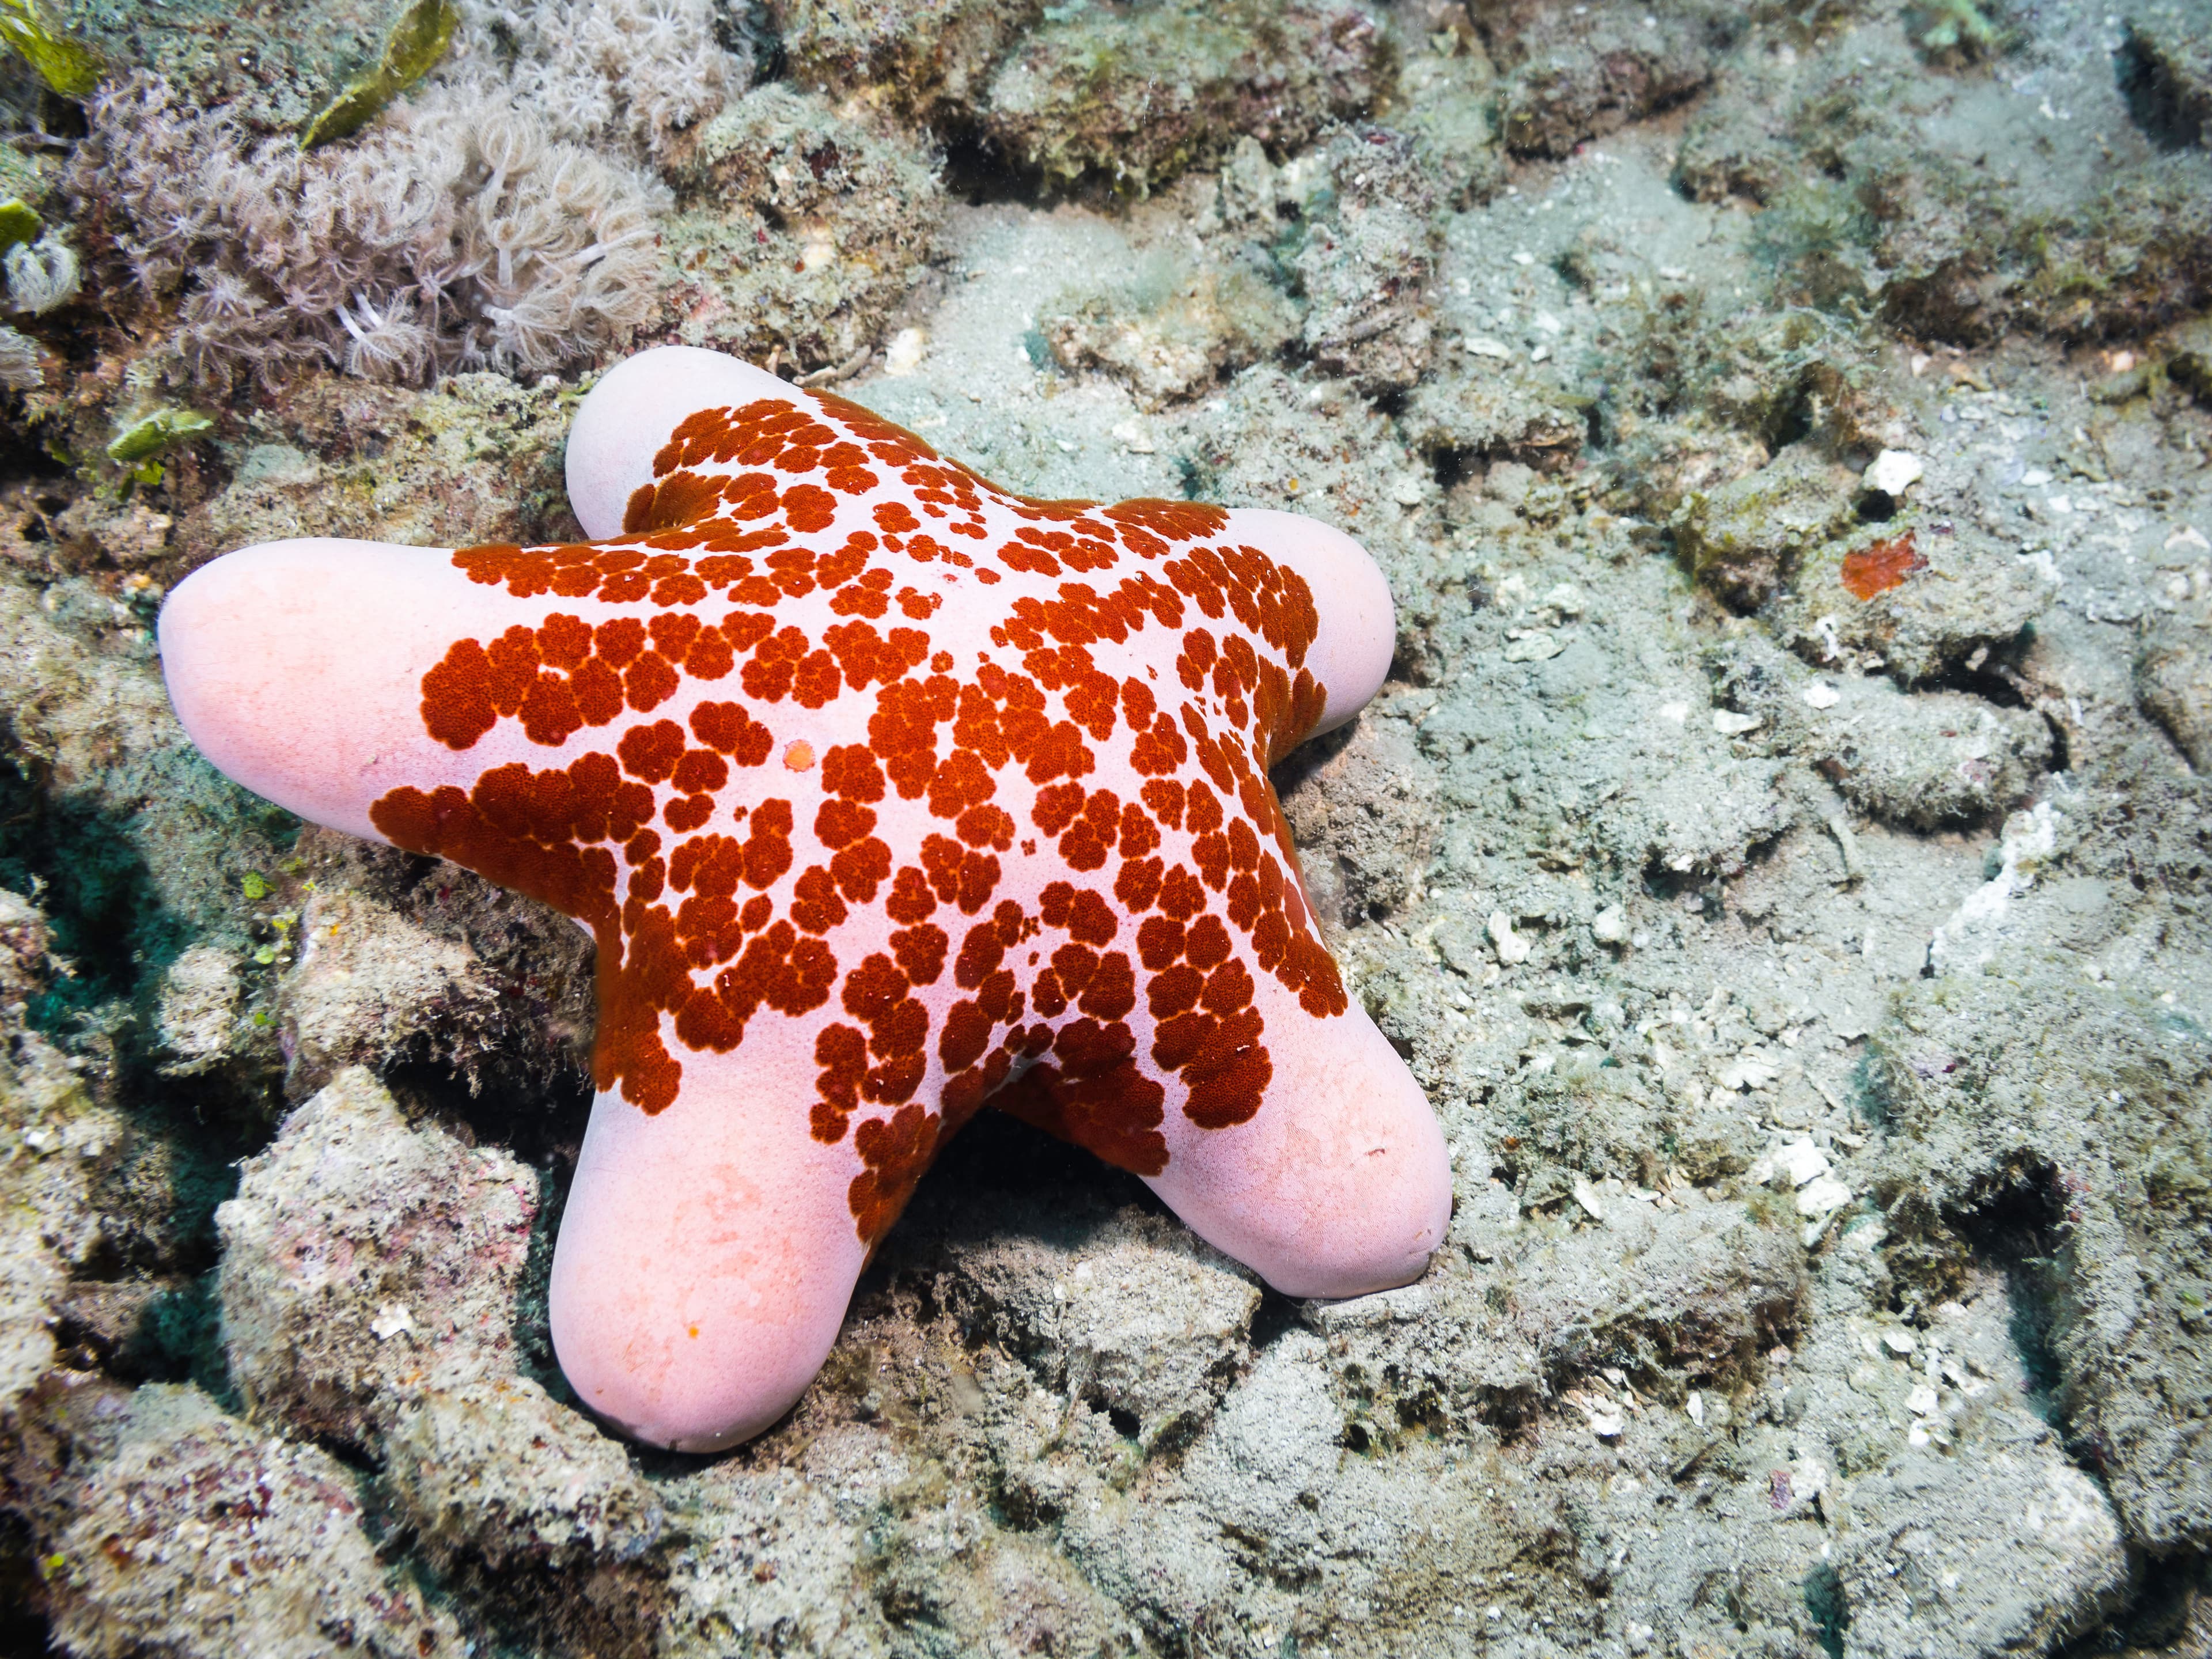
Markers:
(705, 1256)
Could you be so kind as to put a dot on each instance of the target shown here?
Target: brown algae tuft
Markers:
(416, 44)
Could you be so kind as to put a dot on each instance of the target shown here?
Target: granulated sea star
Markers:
(886, 794)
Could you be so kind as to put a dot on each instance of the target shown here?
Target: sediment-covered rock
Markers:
(1081, 98)
(197, 1536)
(1366, 264)
(366, 1261)
(2080, 1126)
(799, 230)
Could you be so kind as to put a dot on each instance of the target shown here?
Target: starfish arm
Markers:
(705, 1256)
(627, 419)
(297, 669)
(1357, 631)
(1341, 1185)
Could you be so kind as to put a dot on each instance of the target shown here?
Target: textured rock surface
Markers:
(1136, 1320)
(1168, 329)
(1744, 539)
(2173, 681)
(2106, 1152)
(1573, 75)
(929, 58)
(1366, 264)
(477, 460)
(801, 230)
(197, 1536)
(1083, 97)
(365, 1261)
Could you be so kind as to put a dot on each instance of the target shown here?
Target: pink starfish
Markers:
(886, 794)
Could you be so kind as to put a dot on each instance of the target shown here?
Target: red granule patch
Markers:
(1881, 565)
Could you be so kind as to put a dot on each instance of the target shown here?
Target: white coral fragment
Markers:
(1511, 948)
(1894, 471)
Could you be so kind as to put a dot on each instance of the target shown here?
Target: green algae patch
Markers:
(413, 48)
(19, 222)
(1959, 26)
(139, 445)
(69, 67)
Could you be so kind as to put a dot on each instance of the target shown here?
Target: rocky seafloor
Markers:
(1782, 850)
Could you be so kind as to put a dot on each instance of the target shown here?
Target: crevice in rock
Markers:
(2157, 103)
(2167, 1611)
(978, 172)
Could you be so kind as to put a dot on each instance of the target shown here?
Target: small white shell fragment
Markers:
(1610, 924)
(1586, 1196)
(1510, 946)
(1820, 695)
(1755, 1071)
(906, 352)
(1730, 724)
(1822, 1196)
(1899, 1342)
(1921, 1401)
(1566, 599)
(1894, 471)
(1406, 489)
(1808, 1479)
(1801, 1161)
(1676, 711)
(391, 1319)
(1483, 346)
(1134, 438)
(1605, 1419)
(2035, 478)
(1918, 1435)
(1535, 646)
(1695, 1406)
